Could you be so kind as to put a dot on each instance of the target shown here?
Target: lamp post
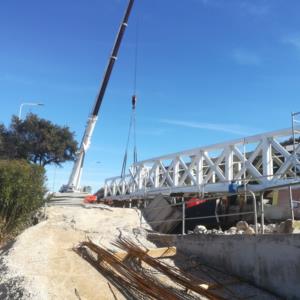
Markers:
(29, 104)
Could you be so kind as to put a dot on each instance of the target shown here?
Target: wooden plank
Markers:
(162, 252)
(153, 252)
(215, 286)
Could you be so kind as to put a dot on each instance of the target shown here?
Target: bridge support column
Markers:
(105, 190)
(123, 188)
(140, 177)
(176, 172)
(114, 189)
(199, 169)
(267, 159)
(228, 164)
(156, 176)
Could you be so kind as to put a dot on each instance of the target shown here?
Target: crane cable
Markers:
(132, 123)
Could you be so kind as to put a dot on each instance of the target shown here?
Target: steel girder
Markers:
(258, 161)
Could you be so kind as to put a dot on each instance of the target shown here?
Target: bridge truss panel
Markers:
(260, 161)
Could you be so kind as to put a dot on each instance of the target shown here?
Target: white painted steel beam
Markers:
(266, 163)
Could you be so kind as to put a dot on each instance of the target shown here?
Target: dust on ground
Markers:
(42, 265)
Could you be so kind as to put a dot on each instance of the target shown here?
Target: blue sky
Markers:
(208, 71)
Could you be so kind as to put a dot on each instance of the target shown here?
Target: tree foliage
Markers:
(37, 140)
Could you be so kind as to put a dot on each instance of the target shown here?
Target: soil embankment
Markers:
(42, 265)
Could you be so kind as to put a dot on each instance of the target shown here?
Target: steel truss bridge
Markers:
(259, 162)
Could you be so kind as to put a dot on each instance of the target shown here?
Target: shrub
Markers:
(21, 192)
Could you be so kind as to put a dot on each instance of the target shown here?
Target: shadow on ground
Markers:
(11, 287)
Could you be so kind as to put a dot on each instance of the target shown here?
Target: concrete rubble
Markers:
(242, 227)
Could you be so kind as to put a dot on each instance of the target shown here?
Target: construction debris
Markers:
(242, 227)
(288, 226)
(155, 253)
(41, 264)
(128, 275)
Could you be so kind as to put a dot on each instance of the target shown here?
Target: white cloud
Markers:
(228, 128)
(215, 3)
(245, 57)
(293, 40)
(16, 79)
(153, 132)
(254, 9)
(246, 6)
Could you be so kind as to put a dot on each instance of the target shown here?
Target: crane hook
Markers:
(133, 101)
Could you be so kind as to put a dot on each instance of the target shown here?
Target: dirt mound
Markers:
(41, 263)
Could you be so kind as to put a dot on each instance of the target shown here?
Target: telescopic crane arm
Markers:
(74, 180)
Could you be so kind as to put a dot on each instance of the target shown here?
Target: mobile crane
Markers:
(75, 176)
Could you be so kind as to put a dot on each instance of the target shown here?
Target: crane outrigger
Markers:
(75, 176)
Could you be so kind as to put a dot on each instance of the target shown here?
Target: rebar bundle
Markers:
(136, 282)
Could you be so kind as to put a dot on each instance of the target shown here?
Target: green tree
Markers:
(38, 140)
(4, 147)
(2, 137)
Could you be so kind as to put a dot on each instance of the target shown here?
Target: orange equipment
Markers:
(194, 202)
(90, 199)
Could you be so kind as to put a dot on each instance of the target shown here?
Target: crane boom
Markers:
(75, 177)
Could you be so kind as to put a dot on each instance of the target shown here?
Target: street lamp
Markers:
(29, 104)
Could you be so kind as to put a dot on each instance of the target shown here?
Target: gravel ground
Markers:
(41, 264)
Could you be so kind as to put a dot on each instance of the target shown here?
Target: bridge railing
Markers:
(259, 161)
